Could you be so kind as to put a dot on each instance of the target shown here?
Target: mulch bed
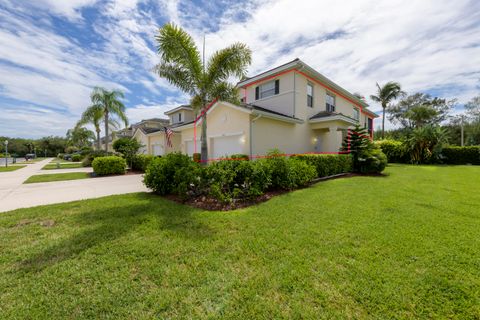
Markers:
(212, 204)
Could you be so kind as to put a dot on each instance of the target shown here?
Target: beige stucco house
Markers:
(291, 107)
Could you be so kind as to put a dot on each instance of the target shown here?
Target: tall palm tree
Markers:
(111, 106)
(386, 94)
(181, 65)
(94, 115)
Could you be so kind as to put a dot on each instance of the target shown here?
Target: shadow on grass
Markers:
(107, 224)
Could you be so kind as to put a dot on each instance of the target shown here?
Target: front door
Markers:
(318, 143)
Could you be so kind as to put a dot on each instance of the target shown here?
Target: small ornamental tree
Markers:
(367, 157)
(128, 147)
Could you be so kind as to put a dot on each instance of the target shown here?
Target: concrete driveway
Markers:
(14, 194)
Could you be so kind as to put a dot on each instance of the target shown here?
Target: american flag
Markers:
(168, 134)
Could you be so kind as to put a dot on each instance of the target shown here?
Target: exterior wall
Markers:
(143, 139)
(222, 121)
(281, 102)
(158, 138)
(187, 115)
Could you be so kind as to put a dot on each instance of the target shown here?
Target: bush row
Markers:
(140, 162)
(230, 180)
(396, 151)
(461, 155)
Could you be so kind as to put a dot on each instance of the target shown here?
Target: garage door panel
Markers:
(226, 146)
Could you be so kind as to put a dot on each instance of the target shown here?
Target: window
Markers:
(330, 103)
(356, 114)
(179, 117)
(267, 89)
(310, 95)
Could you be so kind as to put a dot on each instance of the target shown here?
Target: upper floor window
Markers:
(330, 102)
(179, 117)
(310, 95)
(267, 89)
(356, 114)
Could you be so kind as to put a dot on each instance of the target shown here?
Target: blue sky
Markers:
(53, 52)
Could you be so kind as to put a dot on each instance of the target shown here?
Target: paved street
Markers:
(14, 194)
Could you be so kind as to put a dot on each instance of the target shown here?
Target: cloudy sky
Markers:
(53, 52)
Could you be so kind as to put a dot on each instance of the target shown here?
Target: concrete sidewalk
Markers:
(14, 194)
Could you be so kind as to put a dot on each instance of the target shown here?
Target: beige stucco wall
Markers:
(222, 120)
(143, 139)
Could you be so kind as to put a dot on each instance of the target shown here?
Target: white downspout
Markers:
(251, 133)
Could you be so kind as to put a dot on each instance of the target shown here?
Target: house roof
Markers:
(182, 107)
(327, 116)
(150, 130)
(302, 68)
(265, 110)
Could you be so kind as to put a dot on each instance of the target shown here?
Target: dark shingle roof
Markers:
(263, 109)
(325, 114)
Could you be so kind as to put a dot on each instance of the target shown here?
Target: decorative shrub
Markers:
(328, 164)
(109, 165)
(76, 157)
(394, 150)
(161, 174)
(87, 161)
(372, 160)
(197, 157)
(140, 162)
(461, 155)
(236, 179)
(288, 173)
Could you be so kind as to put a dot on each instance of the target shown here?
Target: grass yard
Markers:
(402, 246)
(63, 165)
(57, 177)
(11, 168)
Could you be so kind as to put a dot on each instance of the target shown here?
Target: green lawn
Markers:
(57, 177)
(402, 246)
(63, 165)
(10, 168)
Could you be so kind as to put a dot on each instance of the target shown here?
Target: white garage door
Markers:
(157, 150)
(226, 146)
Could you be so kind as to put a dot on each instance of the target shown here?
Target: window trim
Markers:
(309, 84)
(356, 114)
(334, 102)
(259, 93)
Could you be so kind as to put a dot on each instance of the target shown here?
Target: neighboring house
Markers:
(146, 126)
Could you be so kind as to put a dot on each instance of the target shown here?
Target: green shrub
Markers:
(372, 160)
(236, 179)
(87, 161)
(60, 155)
(461, 155)
(76, 157)
(140, 162)
(328, 164)
(288, 173)
(161, 174)
(109, 165)
(394, 150)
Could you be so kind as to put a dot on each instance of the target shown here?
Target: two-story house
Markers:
(291, 107)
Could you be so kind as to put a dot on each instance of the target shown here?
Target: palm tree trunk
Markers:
(383, 122)
(98, 139)
(203, 138)
(106, 130)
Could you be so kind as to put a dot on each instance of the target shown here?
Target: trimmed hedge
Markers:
(394, 150)
(328, 164)
(109, 165)
(76, 157)
(140, 162)
(461, 155)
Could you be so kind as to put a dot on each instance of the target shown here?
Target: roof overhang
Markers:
(169, 112)
(337, 117)
(275, 116)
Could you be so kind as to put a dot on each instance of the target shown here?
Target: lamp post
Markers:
(6, 153)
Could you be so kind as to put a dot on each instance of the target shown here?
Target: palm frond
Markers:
(177, 76)
(177, 47)
(225, 91)
(231, 61)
